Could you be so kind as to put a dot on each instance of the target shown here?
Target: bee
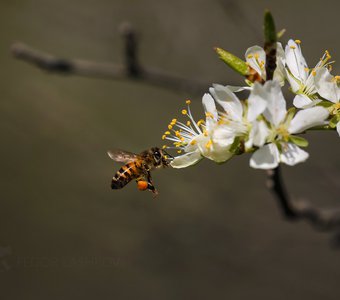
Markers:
(138, 167)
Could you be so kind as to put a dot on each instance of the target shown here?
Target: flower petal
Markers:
(256, 101)
(254, 56)
(276, 103)
(223, 135)
(326, 85)
(302, 101)
(218, 154)
(308, 118)
(210, 110)
(186, 160)
(260, 133)
(266, 157)
(295, 61)
(338, 128)
(292, 154)
(236, 89)
(228, 100)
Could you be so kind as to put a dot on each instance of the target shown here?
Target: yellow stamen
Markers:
(209, 115)
(223, 122)
(292, 47)
(188, 123)
(167, 132)
(177, 133)
(163, 137)
(193, 142)
(205, 133)
(188, 102)
(173, 120)
(182, 139)
(298, 42)
(179, 151)
(200, 122)
(169, 126)
(256, 55)
(313, 72)
(164, 146)
(250, 56)
(184, 112)
(307, 69)
(208, 145)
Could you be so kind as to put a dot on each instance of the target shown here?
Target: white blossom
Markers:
(302, 79)
(280, 147)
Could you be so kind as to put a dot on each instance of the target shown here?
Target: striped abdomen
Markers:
(125, 174)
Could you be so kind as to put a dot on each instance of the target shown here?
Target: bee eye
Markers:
(157, 155)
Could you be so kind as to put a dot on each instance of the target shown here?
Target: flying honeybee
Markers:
(138, 167)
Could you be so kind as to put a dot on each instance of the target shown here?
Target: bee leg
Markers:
(151, 187)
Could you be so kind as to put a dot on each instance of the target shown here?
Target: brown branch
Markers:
(131, 70)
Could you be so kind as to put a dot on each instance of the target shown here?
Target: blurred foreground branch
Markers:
(131, 70)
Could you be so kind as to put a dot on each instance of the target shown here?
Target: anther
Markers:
(298, 42)
(184, 112)
(188, 102)
(200, 122)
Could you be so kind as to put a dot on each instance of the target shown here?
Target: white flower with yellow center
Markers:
(281, 141)
(242, 118)
(256, 59)
(328, 87)
(195, 140)
(303, 80)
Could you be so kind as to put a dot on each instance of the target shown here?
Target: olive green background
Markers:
(215, 231)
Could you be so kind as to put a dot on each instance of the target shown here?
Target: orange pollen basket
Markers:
(142, 185)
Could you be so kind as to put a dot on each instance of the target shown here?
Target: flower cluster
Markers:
(261, 124)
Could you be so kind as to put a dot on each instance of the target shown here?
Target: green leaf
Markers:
(233, 61)
(334, 121)
(270, 35)
(298, 140)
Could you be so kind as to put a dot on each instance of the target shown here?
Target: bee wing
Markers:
(122, 156)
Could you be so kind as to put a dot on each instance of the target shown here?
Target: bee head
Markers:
(160, 157)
